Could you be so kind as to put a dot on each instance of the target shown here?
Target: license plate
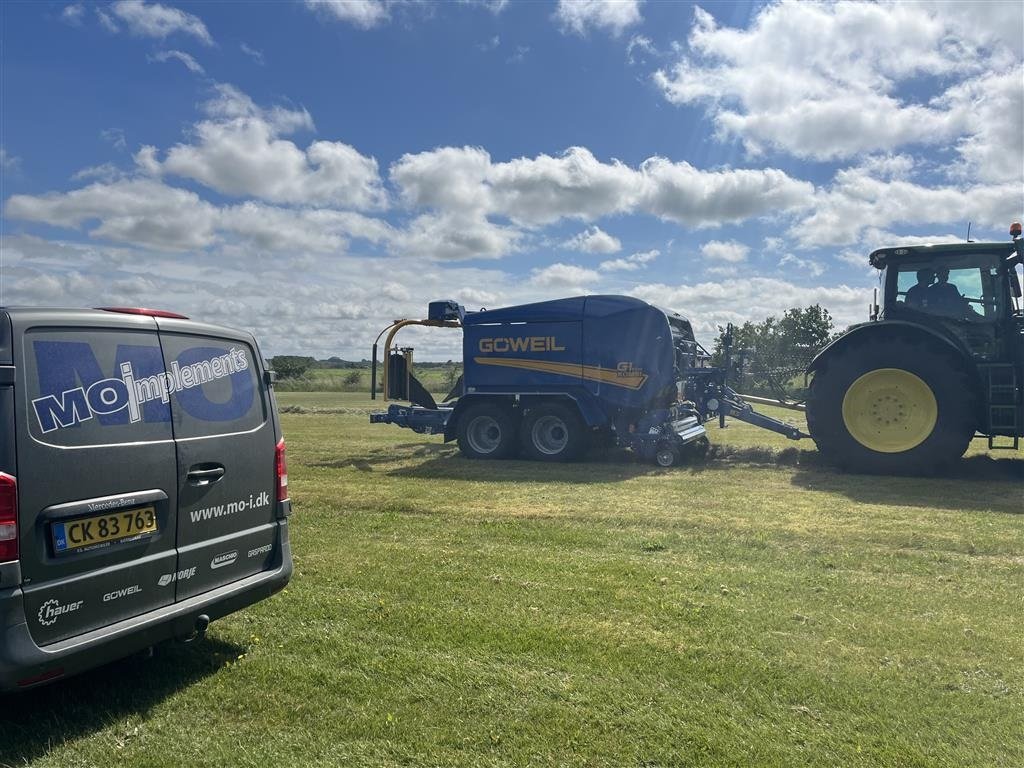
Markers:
(103, 529)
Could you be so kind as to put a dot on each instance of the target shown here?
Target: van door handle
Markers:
(207, 476)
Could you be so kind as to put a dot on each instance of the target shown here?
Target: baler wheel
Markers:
(486, 431)
(553, 432)
(666, 455)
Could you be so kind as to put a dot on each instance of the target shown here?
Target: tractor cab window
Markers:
(960, 288)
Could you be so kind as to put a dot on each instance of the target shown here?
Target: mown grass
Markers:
(756, 609)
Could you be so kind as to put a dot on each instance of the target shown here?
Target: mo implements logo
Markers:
(133, 390)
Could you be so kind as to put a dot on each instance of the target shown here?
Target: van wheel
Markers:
(553, 432)
(486, 431)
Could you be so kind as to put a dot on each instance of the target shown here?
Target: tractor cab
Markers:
(968, 292)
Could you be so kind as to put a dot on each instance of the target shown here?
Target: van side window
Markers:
(214, 385)
(92, 386)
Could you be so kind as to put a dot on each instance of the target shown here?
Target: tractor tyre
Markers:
(553, 432)
(895, 407)
(487, 431)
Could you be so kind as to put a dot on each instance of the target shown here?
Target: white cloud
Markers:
(104, 172)
(73, 14)
(364, 14)
(453, 237)
(593, 240)
(614, 16)
(538, 191)
(494, 6)
(253, 53)
(858, 200)
(711, 304)
(836, 80)
(566, 277)
(116, 138)
(630, 263)
(639, 46)
(518, 55)
(792, 263)
(686, 195)
(159, 21)
(137, 211)
(239, 152)
(343, 310)
(190, 63)
(730, 251)
(8, 162)
(106, 21)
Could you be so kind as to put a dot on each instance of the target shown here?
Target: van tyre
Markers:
(553, 432)
(892, 407)
(487, 431)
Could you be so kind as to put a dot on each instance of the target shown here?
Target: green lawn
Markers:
(758, 609)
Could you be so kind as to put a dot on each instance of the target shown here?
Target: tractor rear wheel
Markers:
(486, 431)
(892, 407)
(553, 432)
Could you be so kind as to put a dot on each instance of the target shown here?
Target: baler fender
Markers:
(591, 414)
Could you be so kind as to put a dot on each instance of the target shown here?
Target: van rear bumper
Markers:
(23, 664)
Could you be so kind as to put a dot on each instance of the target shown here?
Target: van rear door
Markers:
(225, 439)
(96, 471)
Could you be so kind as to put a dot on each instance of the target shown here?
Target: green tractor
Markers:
(940, 362)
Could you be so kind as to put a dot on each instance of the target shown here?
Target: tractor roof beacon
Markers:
(941, 361)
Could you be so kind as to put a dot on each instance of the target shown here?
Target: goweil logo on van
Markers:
(108, 396)
(53, 609)
(117, 594)
(170, 578)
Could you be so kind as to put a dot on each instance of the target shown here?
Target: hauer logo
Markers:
(142, 388)
(170, 578)
(117, 594)
(224, 559)
(53, 609)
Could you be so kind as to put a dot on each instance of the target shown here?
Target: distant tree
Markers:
(452, 371)
(770, 356)
(353, 377)
(291, 366)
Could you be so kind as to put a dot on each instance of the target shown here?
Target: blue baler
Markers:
(550, 379)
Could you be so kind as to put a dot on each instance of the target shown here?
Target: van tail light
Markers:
(281, 470)
(8, 518)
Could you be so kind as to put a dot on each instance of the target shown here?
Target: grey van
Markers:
(143, 487)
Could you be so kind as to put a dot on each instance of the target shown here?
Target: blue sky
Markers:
(312, 171)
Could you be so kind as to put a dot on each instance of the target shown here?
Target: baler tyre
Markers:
(892, 407)
(486, 431)
(666, 455)
(553, 432)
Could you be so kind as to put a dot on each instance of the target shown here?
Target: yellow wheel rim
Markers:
(890, 410)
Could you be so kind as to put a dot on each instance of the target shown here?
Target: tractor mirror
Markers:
(1014, 282)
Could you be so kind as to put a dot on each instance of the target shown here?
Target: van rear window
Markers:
(213, 384)
(80, 386)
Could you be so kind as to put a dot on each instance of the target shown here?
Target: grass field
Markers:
(757, 609)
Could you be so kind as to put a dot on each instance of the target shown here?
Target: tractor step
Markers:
(1012, 446)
